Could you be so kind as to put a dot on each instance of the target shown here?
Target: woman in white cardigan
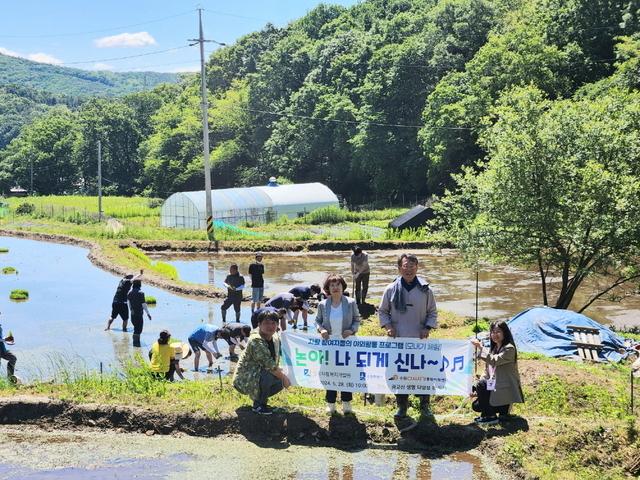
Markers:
(337, 317)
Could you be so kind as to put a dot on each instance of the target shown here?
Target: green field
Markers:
(139, 218)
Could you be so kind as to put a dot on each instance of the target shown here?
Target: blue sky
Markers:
(92, 35)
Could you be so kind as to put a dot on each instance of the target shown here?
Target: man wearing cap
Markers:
(361, 273)
(408, 310)
(257, 374)
(5, 354)
(256, 270)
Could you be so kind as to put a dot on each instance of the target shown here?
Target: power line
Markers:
(53, 35)
(127, 57)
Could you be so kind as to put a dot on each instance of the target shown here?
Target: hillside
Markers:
(75, 82)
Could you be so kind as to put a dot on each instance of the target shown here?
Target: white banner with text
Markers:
(379, 364)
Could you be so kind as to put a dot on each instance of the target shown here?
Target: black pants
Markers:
(138, 322)
(482, 404)
(235, 301)
(269, 386)
(11, 362)
(332, 395)
(362, 287)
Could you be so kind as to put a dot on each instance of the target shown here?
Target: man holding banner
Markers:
(408, 310)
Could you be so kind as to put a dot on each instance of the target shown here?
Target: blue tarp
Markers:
(544, 330)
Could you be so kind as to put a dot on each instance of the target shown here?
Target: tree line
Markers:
(385, 97)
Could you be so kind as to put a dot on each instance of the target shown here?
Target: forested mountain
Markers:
(74, 82)
(384, 98)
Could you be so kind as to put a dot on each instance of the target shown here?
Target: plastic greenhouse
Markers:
(256, 204)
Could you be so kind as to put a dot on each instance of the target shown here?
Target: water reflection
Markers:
(503, 291)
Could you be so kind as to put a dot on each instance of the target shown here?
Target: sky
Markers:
(96, 35)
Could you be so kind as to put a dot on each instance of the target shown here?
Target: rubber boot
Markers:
(136, 339)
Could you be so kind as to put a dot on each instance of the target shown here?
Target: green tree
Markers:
(47, 144)
(114, 124)
(560, 190)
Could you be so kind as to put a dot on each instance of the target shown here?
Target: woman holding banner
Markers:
(500, 386)
(337, 317)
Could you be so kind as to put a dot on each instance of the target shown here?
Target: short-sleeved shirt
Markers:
(204, 333)
(282, 300)
(121, 292)
(235, 281)
(235, 329)
(136, 299)
(301, 291)
(161, 356)
(256, 270)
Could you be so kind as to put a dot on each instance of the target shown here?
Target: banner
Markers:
(378, 364)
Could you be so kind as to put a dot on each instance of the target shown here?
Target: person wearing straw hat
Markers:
(181, 351)
(256, 270)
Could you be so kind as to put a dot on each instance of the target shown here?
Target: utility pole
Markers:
(99, 181)
(31, 177)
(205, 131)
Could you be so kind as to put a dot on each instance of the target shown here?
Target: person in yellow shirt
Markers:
(162, 355)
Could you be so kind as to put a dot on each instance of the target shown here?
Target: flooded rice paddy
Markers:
(31, 453)
(503, 291)
(61, 326)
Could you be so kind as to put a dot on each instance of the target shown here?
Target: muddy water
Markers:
(31, 453)
(503, 291)
(61, 325)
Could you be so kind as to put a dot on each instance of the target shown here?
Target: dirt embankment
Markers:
(291, 427)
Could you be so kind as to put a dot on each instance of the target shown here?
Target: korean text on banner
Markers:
(379, 364)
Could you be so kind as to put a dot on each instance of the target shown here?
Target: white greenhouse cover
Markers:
(188, 209)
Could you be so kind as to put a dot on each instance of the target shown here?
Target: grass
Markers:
(19, 294)
(4, 250)
(162, 268)
(9, 270)
(150, 300)
(579, 425)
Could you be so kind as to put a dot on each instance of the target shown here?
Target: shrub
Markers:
(19, 294)
(9, 270)
(149, 300)
(25, 208)
(155, 202)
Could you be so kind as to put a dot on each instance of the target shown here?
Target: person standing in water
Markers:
(138, 305)
(119, 305)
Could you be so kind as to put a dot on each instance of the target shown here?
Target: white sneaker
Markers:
(346, 408)
(331, 408)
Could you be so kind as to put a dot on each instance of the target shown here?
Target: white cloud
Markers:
(44, 58)
(11, 53)
(102, 66)
(35, 57)
(140, 39)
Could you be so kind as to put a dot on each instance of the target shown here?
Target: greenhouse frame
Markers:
(246, 204)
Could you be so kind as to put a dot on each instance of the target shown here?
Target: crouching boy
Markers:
(257, 374)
